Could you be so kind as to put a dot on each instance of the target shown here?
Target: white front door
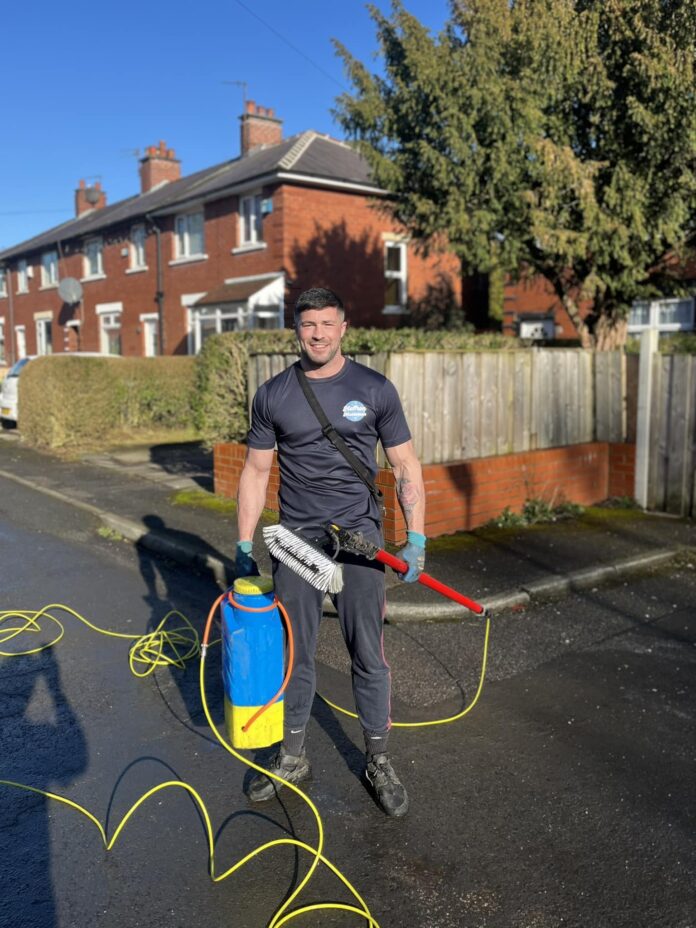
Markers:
(21, 337)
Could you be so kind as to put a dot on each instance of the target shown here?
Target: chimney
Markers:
(260, 128)
(159, 166)
(88, 198)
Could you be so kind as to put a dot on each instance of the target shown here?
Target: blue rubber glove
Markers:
(244, 563)
(414, 555)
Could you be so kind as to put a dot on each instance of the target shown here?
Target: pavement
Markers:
(132, 491)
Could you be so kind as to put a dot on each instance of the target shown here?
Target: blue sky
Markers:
(89, 85)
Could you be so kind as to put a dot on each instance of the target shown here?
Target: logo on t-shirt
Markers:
(354, 411)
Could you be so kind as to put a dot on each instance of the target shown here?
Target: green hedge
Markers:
(220, 412)
(67, 401)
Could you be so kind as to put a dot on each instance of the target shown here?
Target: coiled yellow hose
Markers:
(173, 647)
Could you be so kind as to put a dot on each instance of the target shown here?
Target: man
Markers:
(318, 486)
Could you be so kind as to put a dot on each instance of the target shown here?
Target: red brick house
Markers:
(228, 247)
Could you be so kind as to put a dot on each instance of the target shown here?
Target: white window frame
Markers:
(107, 313)
(44, 339)
(96, 243)
(218, 314)
(3, 281)
(3, 352)
(149, 323)
(401, 276)
(22, 276)
(254, 238)
(49, 269)
(654, 310)
(136, 248)
(183, 235)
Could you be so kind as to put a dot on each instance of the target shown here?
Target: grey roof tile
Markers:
(308, 154)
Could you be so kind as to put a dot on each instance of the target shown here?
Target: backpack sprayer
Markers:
(252, 637)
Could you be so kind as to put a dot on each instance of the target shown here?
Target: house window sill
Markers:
(137, 270)
(86, 280)
(188, 259)
(251, 246)
(49, 287)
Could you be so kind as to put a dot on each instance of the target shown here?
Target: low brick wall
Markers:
(467, 494)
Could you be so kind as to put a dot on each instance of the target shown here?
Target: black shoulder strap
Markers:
(336, 440)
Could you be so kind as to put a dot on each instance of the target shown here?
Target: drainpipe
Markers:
(10, 337)
(159, 293)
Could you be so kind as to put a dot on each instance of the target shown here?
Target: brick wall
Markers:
(467, 494)
(622, 469)
(337, 240)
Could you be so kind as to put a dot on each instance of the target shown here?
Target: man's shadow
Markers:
(43, 746)
(169, 587)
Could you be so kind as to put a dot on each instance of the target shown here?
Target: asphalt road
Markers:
(565, 798)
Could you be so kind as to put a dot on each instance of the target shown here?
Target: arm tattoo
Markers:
(407, 495)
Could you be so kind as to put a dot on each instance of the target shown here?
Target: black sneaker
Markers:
(387, 787)
(287, 766)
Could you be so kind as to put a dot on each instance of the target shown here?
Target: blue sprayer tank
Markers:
(252, 662)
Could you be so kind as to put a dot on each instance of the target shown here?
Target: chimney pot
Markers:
(260, 128)
(159, 166)
(89, 198)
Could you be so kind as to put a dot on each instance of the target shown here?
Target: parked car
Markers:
(9, 393)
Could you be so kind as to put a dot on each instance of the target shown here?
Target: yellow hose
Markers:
(173, 647)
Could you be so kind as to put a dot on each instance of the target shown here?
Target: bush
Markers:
(67, 401)
(220, 407)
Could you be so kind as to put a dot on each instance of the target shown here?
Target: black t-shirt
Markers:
(317, 484)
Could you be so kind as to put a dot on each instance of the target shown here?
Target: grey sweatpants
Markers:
(360, 607)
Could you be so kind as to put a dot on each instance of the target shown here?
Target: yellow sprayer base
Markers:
(266, 730)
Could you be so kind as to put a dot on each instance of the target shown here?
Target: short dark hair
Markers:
(317, 298)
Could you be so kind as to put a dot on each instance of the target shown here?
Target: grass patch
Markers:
(536, 512)
(223, 505)
(110, 534)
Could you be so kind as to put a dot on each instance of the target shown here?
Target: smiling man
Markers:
(318, 486)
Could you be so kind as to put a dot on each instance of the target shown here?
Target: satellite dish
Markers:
(92, 195)
(70, 290)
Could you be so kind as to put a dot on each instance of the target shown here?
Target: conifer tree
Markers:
(553, 137)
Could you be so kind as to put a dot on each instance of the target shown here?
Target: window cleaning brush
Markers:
(303, 558)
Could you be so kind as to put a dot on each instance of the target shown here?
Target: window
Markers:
(93, 259)
(189, 235)
(211, 320)
(22, 277)
(49, 269)
(3, 356)
(3, 282)
(665, 315)
(150, 328)
(395, 277)
(44, 343)
(109, 327)
(250, 220)
(137, 248)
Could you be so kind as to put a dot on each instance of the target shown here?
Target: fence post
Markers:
(648, 349)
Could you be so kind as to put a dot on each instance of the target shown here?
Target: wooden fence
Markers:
(463, 405)
(671, 451)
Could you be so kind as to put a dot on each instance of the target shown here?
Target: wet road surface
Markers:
(564, 799)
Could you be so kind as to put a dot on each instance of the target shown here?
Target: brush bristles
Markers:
(304, 559)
